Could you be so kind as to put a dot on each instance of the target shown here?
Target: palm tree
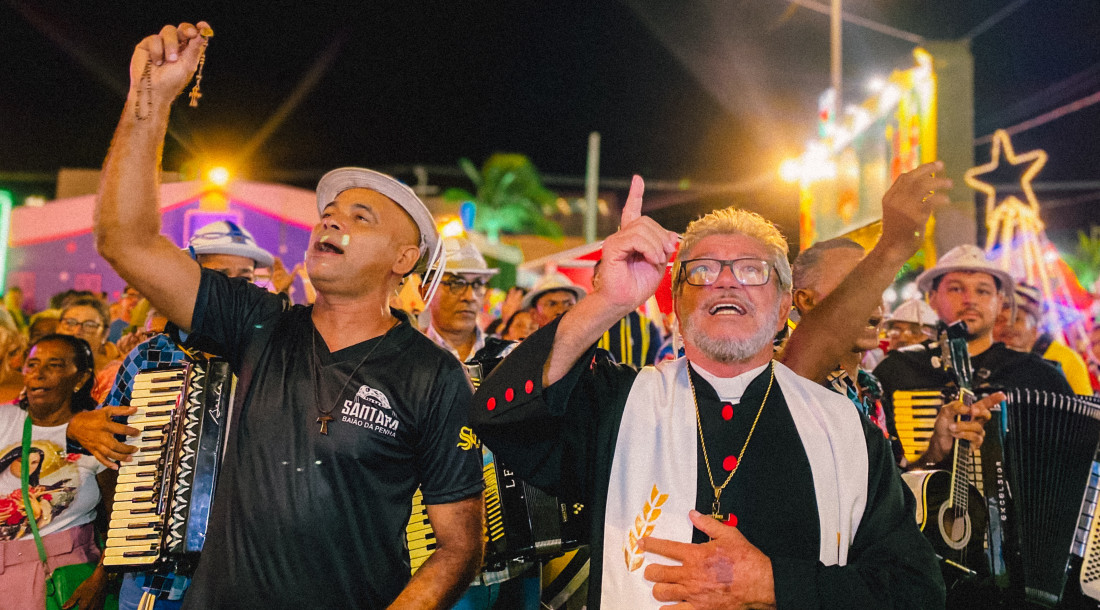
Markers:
(510, 197)
(1085, 262)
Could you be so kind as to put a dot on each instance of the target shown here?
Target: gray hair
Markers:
(808, 263)
(734, 221)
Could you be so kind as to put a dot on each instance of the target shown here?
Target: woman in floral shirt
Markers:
(65, 488)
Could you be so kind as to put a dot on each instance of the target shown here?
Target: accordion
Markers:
(524, 523)
(1039, 473)
(1049, 450)
(163, 496)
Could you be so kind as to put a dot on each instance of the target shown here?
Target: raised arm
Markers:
(127, 219)
(825, 333)
(634, 261)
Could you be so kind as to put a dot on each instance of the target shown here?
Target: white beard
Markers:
(728, 351)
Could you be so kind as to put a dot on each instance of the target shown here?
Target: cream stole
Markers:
(653, 472)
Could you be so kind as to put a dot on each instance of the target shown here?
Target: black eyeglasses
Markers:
(89, 325)
(458, 285)
(705, 271)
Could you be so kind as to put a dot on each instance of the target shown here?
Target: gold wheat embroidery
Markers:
(643, 526)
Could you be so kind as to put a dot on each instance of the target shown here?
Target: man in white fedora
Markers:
(963, 285)
(453, 310)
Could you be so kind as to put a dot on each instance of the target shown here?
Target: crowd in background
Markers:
(114, 324)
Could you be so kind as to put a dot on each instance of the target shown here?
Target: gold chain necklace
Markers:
(716, 505)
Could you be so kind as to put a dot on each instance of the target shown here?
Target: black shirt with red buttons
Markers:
(301, 519)
(562, 439)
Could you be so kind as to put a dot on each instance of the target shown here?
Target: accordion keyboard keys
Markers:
(419, 533)
(135, 508)
(915, 417)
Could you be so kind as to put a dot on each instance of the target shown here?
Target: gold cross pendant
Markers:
(324, 420)
(195, 95)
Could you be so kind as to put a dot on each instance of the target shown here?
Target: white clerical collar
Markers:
(730, 389)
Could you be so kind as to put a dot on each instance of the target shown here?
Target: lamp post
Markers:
(836, 53)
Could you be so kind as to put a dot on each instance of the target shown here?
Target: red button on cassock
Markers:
(529, 386)
(509, 394)
(491, 404)
(730, 462)
(727, 411)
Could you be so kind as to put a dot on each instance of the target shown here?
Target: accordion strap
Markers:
(24, 476)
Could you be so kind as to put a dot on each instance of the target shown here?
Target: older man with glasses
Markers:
(721, 479)
(453, 311)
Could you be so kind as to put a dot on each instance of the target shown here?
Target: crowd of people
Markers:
(727, 459)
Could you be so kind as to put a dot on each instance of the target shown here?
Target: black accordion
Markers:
(524, 523)
(1041, 491)
(163, 497)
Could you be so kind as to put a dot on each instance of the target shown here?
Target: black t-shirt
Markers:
(916, 368)
(302, 519)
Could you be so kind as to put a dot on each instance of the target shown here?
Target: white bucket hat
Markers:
(549, 283)
(224, 237)
(966, 257)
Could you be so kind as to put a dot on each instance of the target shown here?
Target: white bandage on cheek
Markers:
(345, 239)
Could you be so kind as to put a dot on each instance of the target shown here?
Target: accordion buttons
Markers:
(491, 403)
(509, 394)
(529, 386)
(729, 463)
(727, 411)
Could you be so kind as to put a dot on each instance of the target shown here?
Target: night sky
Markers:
(709, 91)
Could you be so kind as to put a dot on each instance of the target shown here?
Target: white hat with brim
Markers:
(463, 258)
(339, 180)
(915, 311)
(550, 283)
(224, 237)
(966, 257)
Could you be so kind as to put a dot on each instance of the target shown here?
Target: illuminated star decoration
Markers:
(1037, 158)
(1012, 224)
(1017, 240)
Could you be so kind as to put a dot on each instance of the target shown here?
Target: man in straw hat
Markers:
(551, 296)
(963, 285)
(723, 478)
(341, 410)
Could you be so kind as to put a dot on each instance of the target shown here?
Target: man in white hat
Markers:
(911, 323)
(963, 285)
(341, 409)
(1020, 327)
(453, 311)
(551, 296)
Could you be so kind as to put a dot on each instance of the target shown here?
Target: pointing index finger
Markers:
(633, 209)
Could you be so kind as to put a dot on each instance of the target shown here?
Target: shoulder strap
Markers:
(24, 475)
